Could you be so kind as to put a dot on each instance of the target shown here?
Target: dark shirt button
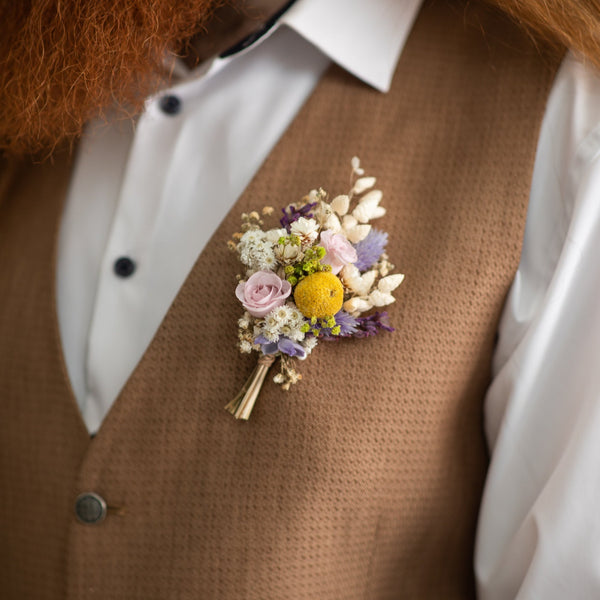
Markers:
(90, 508)
(171, 105)
(124, 267)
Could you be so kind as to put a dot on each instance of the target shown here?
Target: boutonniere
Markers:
(312, 279)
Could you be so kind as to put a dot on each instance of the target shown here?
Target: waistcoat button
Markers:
(90, 508)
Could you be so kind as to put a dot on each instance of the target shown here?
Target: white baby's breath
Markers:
(256, 252)
(245, 347)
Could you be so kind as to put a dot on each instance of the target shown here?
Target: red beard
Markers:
(65, 60)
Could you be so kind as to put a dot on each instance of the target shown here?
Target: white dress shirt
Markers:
(539, 530)
(156, 190)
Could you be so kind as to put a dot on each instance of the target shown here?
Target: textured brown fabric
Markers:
(364, 481)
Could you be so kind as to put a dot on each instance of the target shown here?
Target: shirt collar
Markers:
(365, 37)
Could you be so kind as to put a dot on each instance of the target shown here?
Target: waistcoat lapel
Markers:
(362, 482)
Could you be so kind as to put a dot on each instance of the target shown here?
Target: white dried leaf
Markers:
(340, 204)
(378, 298)
(358, 233)
(348, 222)
(372, 198)
(368, 208)
(332, 223)
(366, 283)
(364, 213)
(355, 162)
(390, 283)
(357, 283)
(363, 184)
(349, 271)
(357, 305)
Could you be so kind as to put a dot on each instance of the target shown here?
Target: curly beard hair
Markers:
(63, 61)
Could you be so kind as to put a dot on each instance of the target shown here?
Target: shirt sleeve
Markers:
(539, 529)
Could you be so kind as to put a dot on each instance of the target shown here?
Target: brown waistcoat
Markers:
(363, 482)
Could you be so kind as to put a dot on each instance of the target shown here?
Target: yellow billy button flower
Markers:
(319, 295)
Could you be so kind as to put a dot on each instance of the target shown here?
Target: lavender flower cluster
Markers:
(372, 325)
(370, 249)
(291, 214)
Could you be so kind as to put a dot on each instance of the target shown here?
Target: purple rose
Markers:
(339, 251)
(263, 292)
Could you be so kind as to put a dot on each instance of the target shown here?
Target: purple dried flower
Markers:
(291, 348)
(293, 214)
(370, 249)
(372, 325)
(266, 346)
(347, 323)
(284, 345)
